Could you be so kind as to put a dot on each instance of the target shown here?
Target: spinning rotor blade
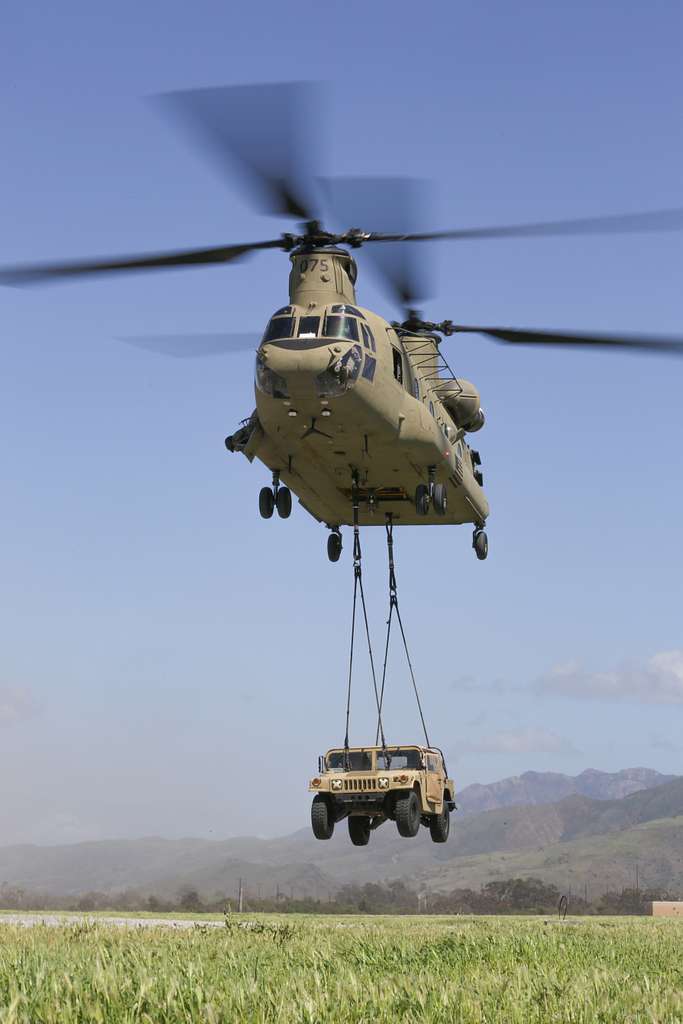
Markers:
(580, 340)
(43, 273)
(392, 204)
(191, 346)
(267, 132)
(614, 224)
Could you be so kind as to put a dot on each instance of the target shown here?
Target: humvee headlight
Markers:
(401, 778)
(316, 782)
(383, 783)
(336, 784)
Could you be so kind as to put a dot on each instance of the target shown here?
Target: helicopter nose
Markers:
(313, 370)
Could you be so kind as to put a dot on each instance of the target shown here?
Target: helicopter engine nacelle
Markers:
(463, 402)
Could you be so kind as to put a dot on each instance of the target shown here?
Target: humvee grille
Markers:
(358, 785)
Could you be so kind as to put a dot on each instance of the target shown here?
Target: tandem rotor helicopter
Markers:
(356, 415)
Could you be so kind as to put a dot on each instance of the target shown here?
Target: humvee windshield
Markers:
(399, 758)
(354, 760)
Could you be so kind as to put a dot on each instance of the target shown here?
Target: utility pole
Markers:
(240, 898)
(637, 885)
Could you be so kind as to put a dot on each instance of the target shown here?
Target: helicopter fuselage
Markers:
(342, 394)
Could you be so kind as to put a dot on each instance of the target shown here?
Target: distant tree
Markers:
(190, 900)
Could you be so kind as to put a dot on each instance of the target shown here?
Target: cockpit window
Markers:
(368, 337)
(279, 327)
(285, 311)
(343, 327)
(351, 310)
(309, 327)
(353, 760)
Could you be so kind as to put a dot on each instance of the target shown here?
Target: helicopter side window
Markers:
(368, 337)
(309, 327)
(342, 327)
(279, 327)
(398, 365)
(347, 309)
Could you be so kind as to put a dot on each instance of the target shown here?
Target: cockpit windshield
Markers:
(343, 327)
(351, 760)
(279, 327)
(398, 757)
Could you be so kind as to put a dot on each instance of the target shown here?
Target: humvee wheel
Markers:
(283, 502)
(407, 812)
(334, 547)
(266, 502)
(440, 825)
(322, 818)
(440, 499)
(421, 500)
(359, 830)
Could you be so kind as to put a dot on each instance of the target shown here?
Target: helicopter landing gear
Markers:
(334, 545)
(266, 502)
(480, 543)
(440, 499)
(421, 500)
(275, 497)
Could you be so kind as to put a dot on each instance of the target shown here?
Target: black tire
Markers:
(359, 830)
(284, 502)
(266, 502)
(408, 814)
(322, 817)
(421, 500)
(440, 499)
(440, 825)
(334, 547)
(480, 543)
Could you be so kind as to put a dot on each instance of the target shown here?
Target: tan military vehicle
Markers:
(370, 785)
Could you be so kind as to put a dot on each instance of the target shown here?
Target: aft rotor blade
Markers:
(636, 343)
(192, 346)
(268, 133)
(614, 224)
(42, 273)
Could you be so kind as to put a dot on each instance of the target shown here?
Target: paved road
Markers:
(61, 920)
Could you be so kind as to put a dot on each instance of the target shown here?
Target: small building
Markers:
(667, 908)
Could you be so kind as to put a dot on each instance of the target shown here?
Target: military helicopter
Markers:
(360, 417)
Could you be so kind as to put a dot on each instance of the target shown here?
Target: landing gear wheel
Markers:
(359, 830)
(440, 499)
(480, 543)
(334, 547)
(322, 817)
(266, 502)
(440, 825)
(407, 812)
(421, 500)
(283, 502)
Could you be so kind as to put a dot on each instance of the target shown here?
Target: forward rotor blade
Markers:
(616, 224)
(263, 131)
(191, 346)
(42, 273)
(635, 343)
(393, 205)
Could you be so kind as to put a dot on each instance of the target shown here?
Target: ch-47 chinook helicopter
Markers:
(351, 409)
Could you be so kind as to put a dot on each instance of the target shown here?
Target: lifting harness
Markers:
(393, 607)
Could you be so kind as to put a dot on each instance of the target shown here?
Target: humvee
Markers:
(370, 785)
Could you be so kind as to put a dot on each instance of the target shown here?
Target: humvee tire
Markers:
(322, 818)
(359, 830)
(407, 812)
(440, 824)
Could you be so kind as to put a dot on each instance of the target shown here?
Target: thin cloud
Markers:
(528, 740)
(16, 705)
(656, 681)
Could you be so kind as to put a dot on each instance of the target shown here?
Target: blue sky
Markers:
(159, 639)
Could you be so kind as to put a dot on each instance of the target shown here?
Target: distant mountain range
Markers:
(573, 831)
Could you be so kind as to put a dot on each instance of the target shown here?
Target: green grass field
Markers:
(309, 969)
